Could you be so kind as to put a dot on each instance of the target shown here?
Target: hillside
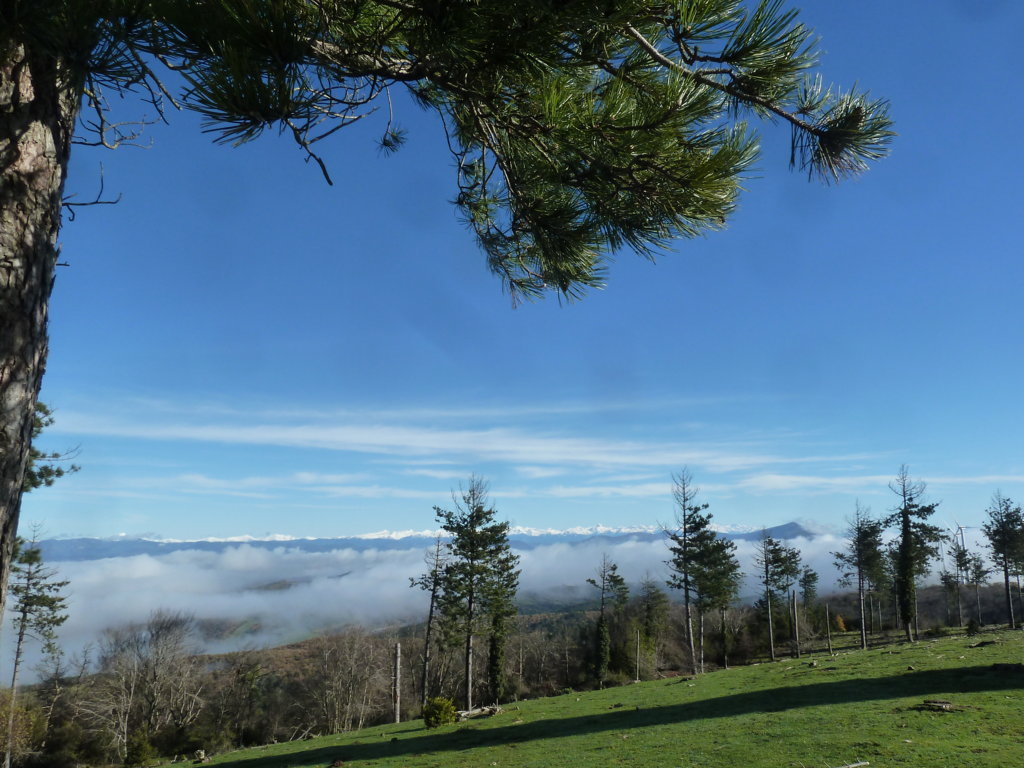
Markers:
(818, 711)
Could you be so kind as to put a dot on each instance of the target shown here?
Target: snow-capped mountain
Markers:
(74, 549)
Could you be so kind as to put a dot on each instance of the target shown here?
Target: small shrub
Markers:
(138, 750)
(973, 627)
(840, 622)
(438, 711)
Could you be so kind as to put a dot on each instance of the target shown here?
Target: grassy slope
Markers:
(857, 705)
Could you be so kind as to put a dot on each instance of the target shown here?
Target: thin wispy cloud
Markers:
(638, 490)
(395, 467)
(539, 473)
(769, 482)
(439, 474)
(991, 480)
(500, 443)
(214, 410)
(373, 492)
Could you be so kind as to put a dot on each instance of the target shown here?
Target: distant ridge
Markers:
(81, 548)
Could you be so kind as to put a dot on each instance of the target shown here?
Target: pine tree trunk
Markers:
(1009, 594)
(725, 640)
(1020, 599)
(917, 625)
(689, 630)
(895, 607)
(863, 615)
(828, 629)
(396, 683)
(700, 623)
(796, 626)
(470, 617)
(771, 629)
(425, 672)
(959, 606)
(37, 116)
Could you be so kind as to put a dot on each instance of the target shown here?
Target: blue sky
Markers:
(238, 348)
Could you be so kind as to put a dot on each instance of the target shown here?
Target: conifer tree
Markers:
(480, 578)
(577, 129)
(1005, 533)
(716, 585)
(688, 542)
(499, 602)
(916, 545)
(38, 608)
(977, 576)
(613, 597)
(960, 560)
(431, 582)
(653, 619)
(861, 563)
(778, 567)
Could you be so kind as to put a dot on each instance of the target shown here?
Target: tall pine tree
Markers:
(861, 563)
(479, 580)
(695, 554)
(916, 545)
(432, 583)
(1005, 532)
(614, 595)
(778, 567)
(716, 585)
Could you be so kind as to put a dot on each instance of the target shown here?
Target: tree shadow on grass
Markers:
(910, 684)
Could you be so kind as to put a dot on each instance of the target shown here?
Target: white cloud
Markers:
(636, 490)
(779, 482)
(537, 473)
(439, 474)
(330, 589)
(536, 453)
(990, 480)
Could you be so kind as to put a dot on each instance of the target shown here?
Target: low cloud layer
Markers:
(284, 594)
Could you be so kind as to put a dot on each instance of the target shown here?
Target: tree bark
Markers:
(700, 624)
(689, 633)
(38, 106)
(796, 626)
(1020, 600)
(725, 640)
(470, 609)
(1009, 595)
(396, 684)
(828, 629)
(863, 616)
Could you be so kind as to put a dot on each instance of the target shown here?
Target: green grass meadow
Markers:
(818, 711)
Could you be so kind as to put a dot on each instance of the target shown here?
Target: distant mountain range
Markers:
(72, 549)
